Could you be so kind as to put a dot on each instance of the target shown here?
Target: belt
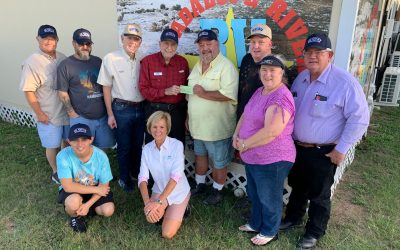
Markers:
(128, 103)
(312, 145)
(164, 106)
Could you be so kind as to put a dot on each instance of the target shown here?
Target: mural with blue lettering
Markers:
(290, 20)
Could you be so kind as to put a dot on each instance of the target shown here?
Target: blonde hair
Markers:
(155, 117)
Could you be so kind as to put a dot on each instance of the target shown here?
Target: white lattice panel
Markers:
(17, 116)
(236, 174)
(342, 168)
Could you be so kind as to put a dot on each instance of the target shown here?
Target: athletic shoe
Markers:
(198, 190)
(214, 198)
(78, 224)
(124, 186)
(54, 178)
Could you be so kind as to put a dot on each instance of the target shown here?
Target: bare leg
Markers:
(64, 144)
(106, 210)
(51, 154)
(201, 165)
(219, 175)
(170, 227)
(72, 203)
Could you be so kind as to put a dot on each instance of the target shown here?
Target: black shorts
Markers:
(62, 195)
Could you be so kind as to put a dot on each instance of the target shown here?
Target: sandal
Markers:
(261, 240)
(247, 228)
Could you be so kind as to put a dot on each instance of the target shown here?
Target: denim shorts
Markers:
(103, 135)
(220, 152)
(51, 135)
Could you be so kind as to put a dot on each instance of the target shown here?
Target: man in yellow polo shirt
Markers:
(212, 114)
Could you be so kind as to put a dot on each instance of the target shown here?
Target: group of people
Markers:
(128, 98)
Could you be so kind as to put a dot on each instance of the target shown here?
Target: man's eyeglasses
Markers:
(315, 52)
(88, 44)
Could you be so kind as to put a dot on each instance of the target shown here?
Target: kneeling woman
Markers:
(263, 137)
(164, 159)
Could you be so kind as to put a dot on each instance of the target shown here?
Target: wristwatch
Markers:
(159, 201)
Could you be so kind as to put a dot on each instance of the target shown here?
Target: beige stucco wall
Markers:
(19, 23)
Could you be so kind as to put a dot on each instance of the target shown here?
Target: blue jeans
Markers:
(129, 135)
(265, 191)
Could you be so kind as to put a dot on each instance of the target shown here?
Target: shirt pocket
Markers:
(212, 81)
(323, 109)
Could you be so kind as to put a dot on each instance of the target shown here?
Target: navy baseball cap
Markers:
(206, 34)
(169, 34)
(47, 30)
(78, 131)
(319, 41)
(271, 61)
(82, 36)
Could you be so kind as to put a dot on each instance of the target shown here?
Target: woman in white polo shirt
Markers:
(164, 159)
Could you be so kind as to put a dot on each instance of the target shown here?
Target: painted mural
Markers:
(290, 20)
(365, 35)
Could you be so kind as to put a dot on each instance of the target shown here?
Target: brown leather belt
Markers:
(312, 145)
(128, 103)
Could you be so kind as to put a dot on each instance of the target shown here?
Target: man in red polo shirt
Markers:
(161, 75)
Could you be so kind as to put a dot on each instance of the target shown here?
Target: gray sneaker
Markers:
(198, 190)
(214, 198)
(127, 188)
(54, 178)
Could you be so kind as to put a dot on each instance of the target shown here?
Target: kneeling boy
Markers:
(84, 172)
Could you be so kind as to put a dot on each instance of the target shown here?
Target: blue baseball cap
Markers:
(82, 36)
(271, 61)
(319, 41)
(47, 30)
(206, 34)
(78, 131)
(169, 34)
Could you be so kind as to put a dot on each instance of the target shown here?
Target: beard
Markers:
(207, 57)
(83, 54)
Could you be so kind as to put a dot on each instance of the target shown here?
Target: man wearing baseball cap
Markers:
(260, 46)
(85, 173)
(38, 83)
(79, 91)
(331, 116)
(161, 75)
(119, 76)
(212, 113)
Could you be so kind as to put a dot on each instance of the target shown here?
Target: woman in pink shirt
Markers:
(263, 137)
(164, 159)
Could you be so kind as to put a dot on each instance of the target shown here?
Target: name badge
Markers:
(321, 98)
(181, 71)
(158, 73)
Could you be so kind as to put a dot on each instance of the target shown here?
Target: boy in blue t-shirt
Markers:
(84, 172)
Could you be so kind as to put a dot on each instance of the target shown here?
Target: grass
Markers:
(364, 213)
